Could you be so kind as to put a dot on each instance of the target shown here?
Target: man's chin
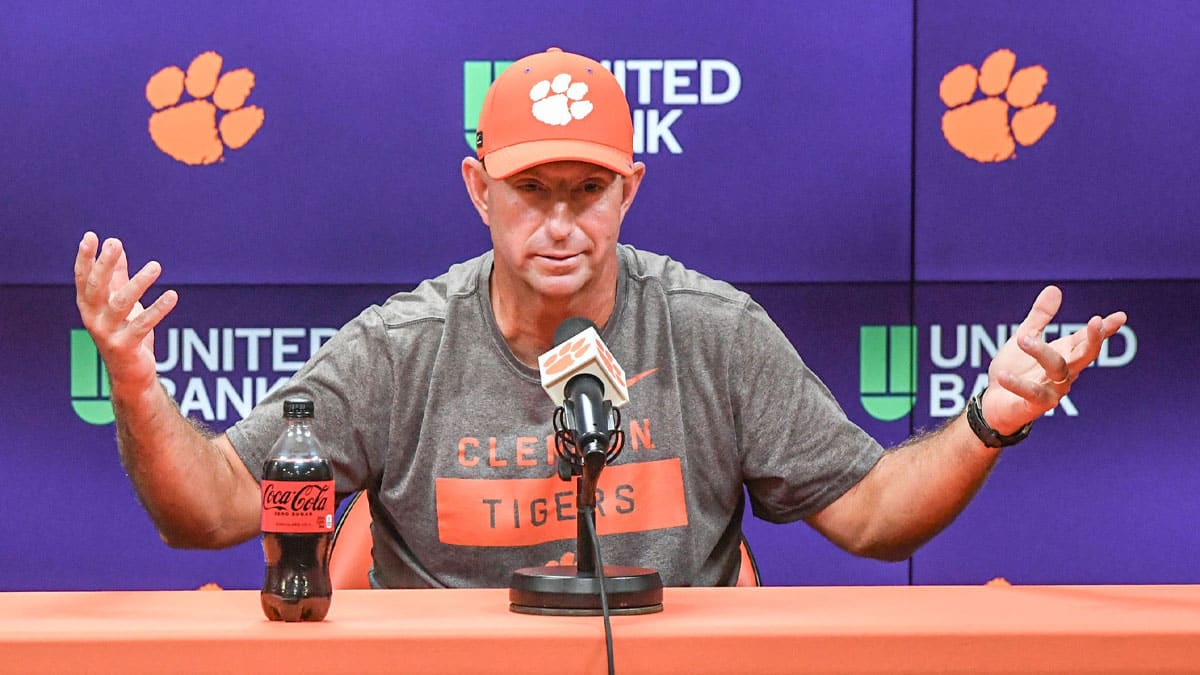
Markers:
(561, 286)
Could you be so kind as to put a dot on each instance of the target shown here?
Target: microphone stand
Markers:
(575, 589)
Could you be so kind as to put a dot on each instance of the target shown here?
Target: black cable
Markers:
(608, 645)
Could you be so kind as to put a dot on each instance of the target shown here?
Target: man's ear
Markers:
(476, 180)
(630, 185)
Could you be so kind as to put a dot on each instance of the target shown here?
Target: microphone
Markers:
(581, 375)
(584, 381)
(579, 350)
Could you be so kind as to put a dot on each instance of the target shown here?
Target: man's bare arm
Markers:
(912, 494)
(916, 490)
(196, 489)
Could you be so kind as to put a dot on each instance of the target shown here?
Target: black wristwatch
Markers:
(989, 436)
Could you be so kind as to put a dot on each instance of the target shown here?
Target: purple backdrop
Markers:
(1110, 190)
(360, 149)
(805, 145)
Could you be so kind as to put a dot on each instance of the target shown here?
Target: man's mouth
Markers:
(558, 257)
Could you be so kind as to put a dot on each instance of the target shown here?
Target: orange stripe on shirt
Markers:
(524, 511)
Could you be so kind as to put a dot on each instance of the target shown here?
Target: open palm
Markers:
(109, 302)
(1029, 376)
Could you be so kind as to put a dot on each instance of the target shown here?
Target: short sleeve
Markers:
(799, 451)
(349, 380)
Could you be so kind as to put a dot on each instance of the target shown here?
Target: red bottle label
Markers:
(297, 506)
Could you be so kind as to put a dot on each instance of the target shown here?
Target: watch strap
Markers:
(989, 436)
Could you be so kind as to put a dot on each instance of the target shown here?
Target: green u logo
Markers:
(477, 77)
(89, 381)
(888, 370)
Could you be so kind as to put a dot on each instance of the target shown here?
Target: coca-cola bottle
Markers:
(297, 521)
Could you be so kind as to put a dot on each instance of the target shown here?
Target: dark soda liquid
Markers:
(298, 590)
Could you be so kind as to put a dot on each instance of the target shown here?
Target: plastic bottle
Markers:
(298, 503)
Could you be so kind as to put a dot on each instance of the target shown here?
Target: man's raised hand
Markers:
(109, 303)
(1029, 376)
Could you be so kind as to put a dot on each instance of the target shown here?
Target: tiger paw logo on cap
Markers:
(555, 109)
(981, 129)
(188, 132)
(554, 106)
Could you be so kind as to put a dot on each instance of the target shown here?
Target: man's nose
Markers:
(560, 221)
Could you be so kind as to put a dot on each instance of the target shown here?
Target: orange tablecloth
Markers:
(1116, 629)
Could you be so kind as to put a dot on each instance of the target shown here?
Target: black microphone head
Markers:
(570, 328)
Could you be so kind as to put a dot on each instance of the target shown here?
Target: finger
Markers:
(122, 301)
(1089, 348)
(1113, 323)
(1083, 346)
(84, 258)
(141, 325)
(1053, 364)
(98, 280)
(1075, 346)
(1109, 326)
(1042, 313)
(120, 274)
(1039, 395)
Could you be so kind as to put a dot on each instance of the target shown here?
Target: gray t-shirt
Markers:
(421, 402)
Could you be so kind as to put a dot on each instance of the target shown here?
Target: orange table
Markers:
(1116, 629)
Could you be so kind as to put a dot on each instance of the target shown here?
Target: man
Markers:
(431, 401)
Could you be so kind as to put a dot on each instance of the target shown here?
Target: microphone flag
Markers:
(585, 353)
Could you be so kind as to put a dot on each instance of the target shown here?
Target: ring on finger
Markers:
(1066, 377)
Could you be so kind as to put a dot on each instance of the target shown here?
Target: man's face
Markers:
(555, 226)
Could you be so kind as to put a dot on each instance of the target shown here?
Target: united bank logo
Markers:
(887, 373)
(477, 77)
(189, 132)
(985, 129)
(89, 381)
(956, 358)
(216, 374)
(660, 90)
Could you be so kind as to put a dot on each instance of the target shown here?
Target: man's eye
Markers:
(593, 187)
(529, 187)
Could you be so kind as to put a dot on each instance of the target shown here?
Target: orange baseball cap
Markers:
(554, 106)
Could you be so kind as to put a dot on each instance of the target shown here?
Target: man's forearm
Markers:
(182, 477)
(921, 487)
(911, 494)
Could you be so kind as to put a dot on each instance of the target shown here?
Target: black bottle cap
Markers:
(297, 407)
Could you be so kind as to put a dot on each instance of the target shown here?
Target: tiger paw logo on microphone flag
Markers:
(982, 129)
(584, 353)
(189, 132)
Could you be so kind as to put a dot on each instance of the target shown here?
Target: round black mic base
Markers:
(560, 591)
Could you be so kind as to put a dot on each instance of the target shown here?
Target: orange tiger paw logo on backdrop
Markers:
(189, 132)
(982, 129)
